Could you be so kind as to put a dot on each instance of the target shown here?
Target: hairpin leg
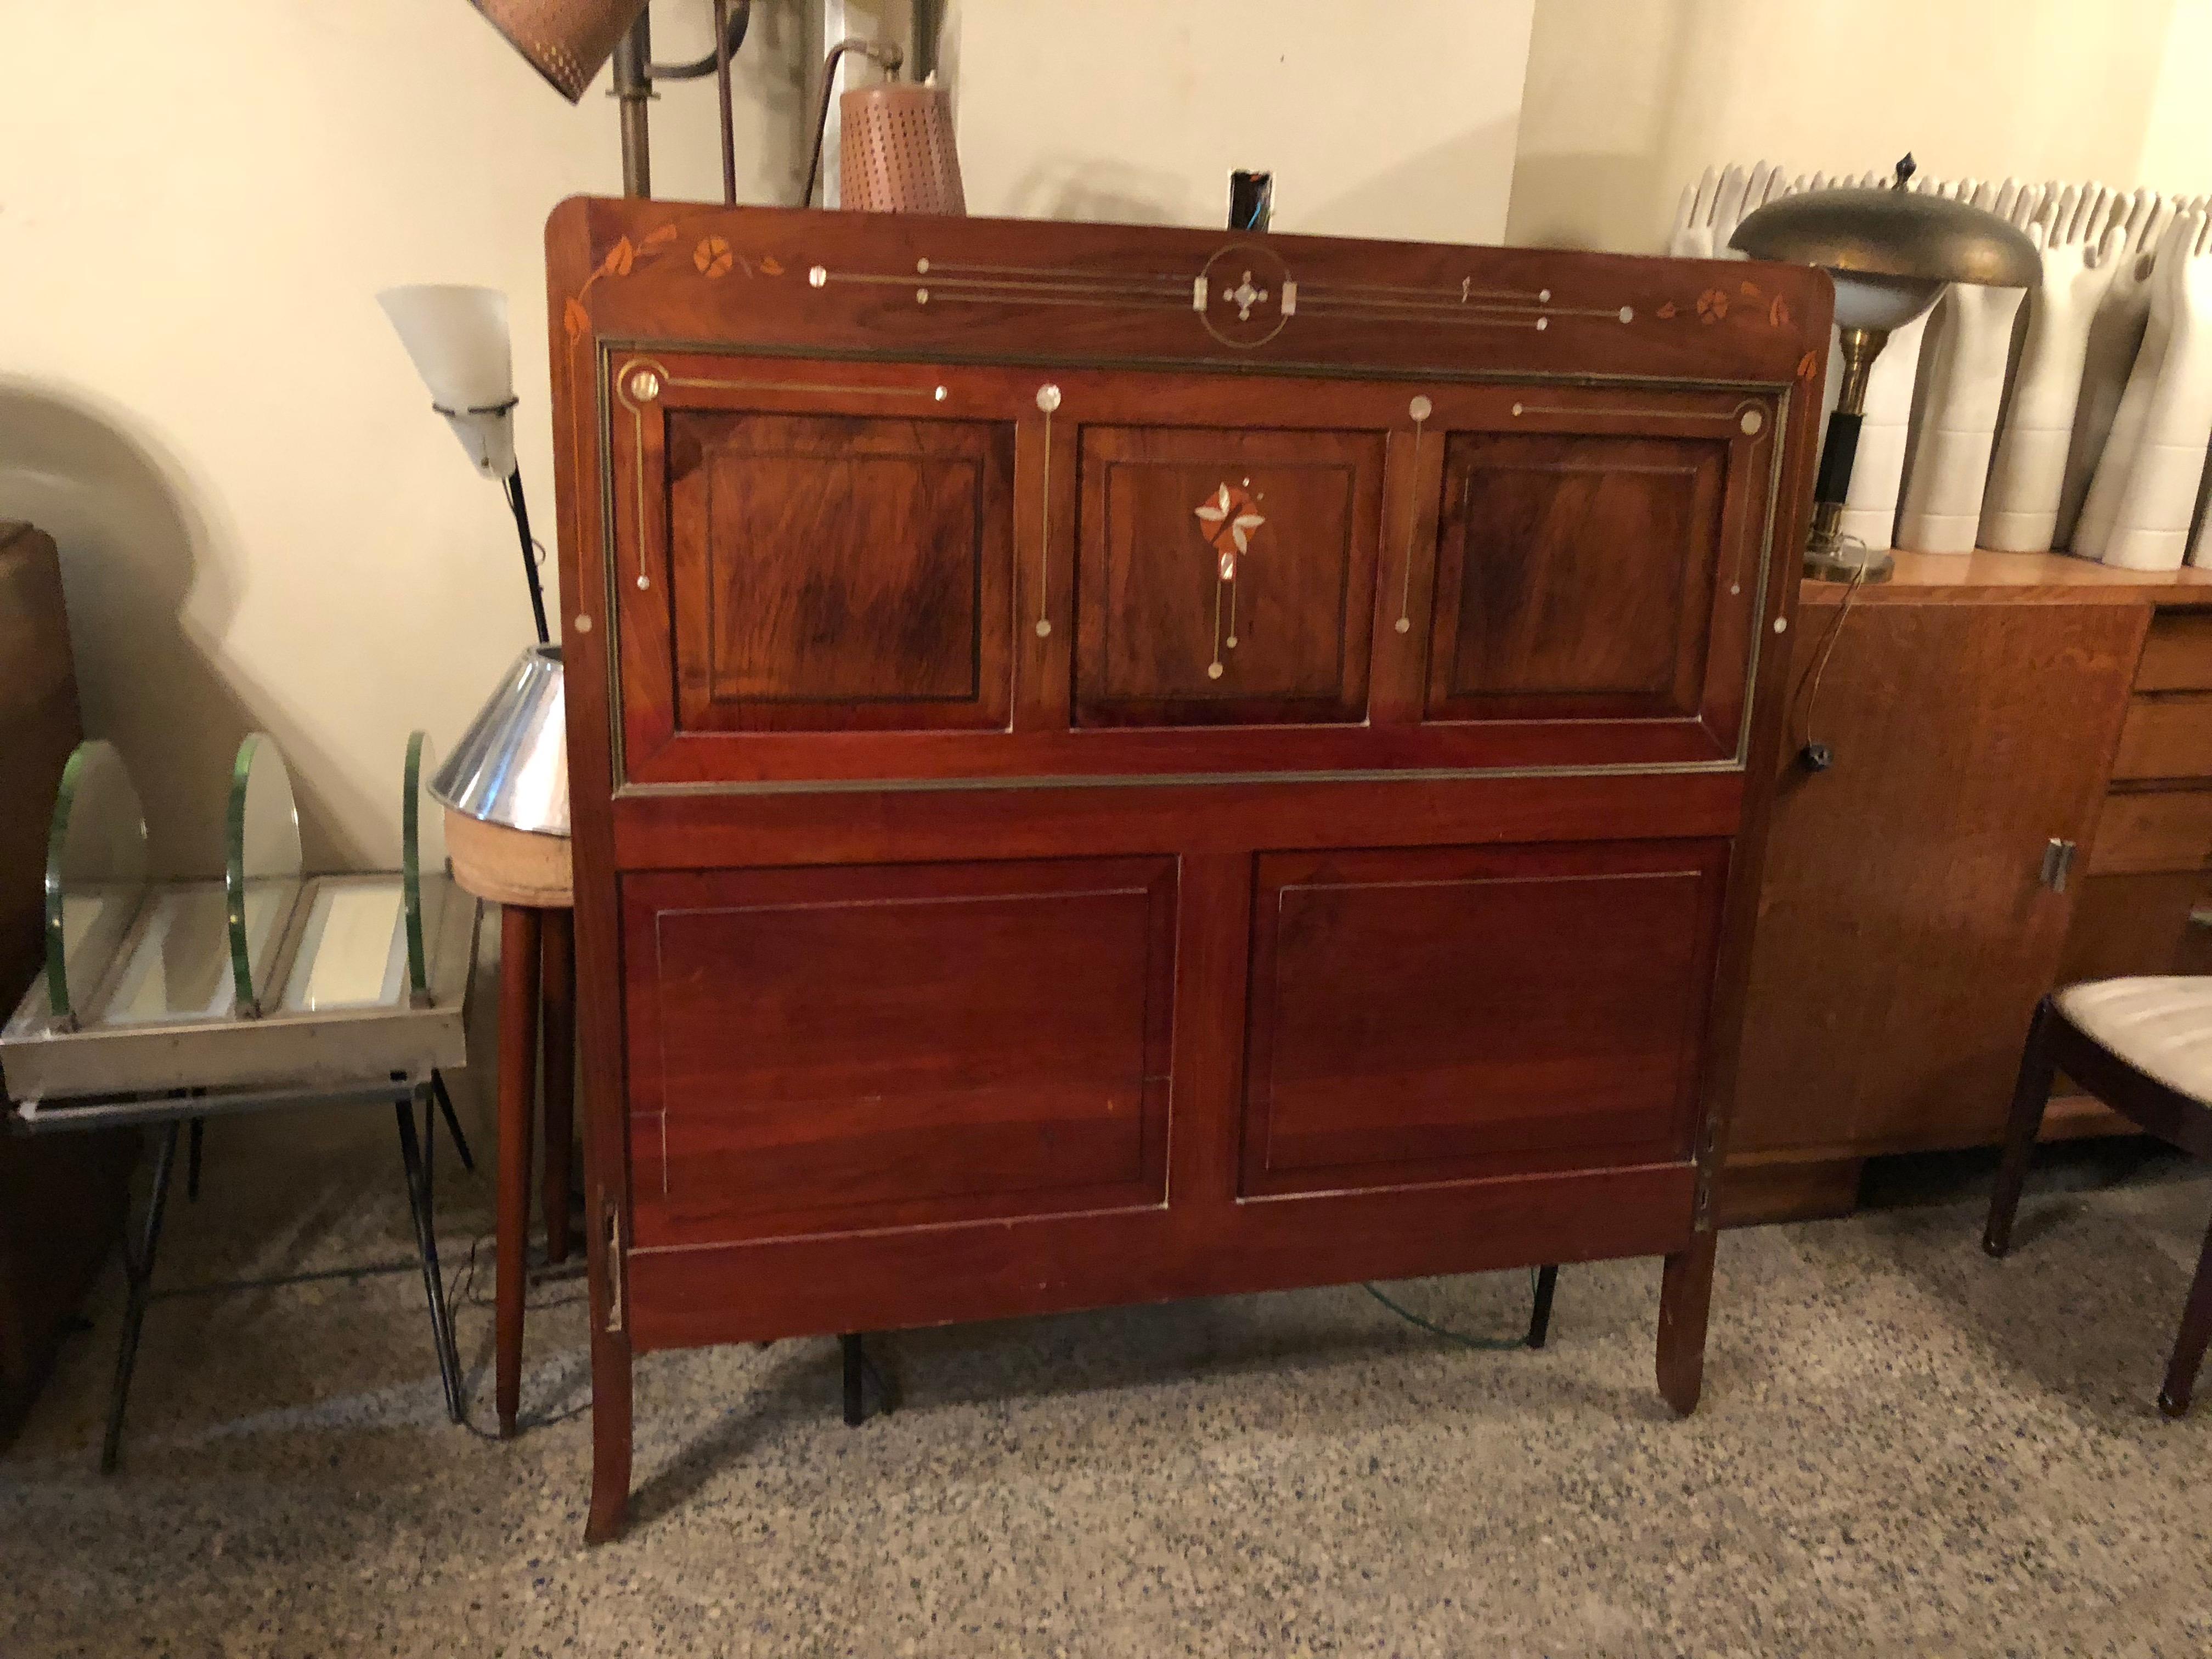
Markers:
(415, 1156)
(452, 1121)
(192, 1159)
(138, 1272)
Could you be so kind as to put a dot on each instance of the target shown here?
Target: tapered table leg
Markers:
(1685, 1295)
(518, 1066)
(610, 1412)
(557, 995)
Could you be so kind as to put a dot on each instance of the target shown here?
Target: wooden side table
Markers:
(528, 876)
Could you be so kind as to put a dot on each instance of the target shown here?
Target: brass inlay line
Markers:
(1616, 413)
(1463, 319)
(1466, 291)
(1047, 399)
(809, 386)
(1133, 291)
(1444, 307)
(931, 267)
(1420, 409)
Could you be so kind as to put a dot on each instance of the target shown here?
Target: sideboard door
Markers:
(1905, 934)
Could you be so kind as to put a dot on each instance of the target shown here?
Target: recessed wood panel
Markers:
(1177, 624)
(1575, 575)
(1432, 1015)
(839, 572)
(890, 1045)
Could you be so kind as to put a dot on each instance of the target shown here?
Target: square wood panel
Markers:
(839, 572)
(888, 1045)
(1429, 1015)
(1162, 638)
(1575, 576)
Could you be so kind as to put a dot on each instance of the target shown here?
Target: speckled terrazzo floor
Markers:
(1905, 1449)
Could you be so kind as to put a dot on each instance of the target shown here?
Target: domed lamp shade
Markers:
(1891, 253)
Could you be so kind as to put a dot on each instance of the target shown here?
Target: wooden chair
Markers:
(2143, 1046)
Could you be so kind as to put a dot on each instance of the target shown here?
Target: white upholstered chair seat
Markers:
(2160, 1024)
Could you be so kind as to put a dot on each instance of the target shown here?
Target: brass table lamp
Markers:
(1891, 251)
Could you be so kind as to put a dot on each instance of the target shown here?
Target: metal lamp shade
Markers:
(567, 41)
(896, 153)
(511, 766)
(1891, 233)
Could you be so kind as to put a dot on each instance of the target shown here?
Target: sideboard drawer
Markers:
(2146, 924)
(2177, 653)
(818, 1050)
(1457, 1012)
(2145, 831)
(2166, 737)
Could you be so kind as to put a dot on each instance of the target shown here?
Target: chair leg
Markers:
(1540, 1315)
(854, 1356)
(2031, 1094)
(2196, 1333)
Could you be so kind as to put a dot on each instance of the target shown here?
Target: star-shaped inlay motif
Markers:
(1229, 517)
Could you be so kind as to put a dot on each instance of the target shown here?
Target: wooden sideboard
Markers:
(1115, 764)
(1980, 708)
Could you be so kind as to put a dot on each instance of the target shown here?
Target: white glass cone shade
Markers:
(1867, 301)
(457, 336)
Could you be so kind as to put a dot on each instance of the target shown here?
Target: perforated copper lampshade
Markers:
(567, 41)
(896, 153)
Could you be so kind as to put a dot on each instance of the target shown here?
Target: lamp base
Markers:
(1849, 560)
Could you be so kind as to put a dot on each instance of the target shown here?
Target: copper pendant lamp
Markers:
(567, 41)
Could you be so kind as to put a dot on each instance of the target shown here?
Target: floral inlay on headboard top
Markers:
(714, 258)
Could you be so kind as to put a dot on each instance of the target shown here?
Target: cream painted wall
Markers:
(263, 526)
(1628, 99)
(2177, 152)
(261, 522)
(1394, 120)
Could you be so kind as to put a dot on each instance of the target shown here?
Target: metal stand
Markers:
(173, 1115)
(138, 1270)
(1540, 1316)
(452, 1121)
(416, 1158)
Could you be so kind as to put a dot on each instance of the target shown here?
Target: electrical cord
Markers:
(1815, 756)
(1479, 1344)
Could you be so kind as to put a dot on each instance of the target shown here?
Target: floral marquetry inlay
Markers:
(1227, 519)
